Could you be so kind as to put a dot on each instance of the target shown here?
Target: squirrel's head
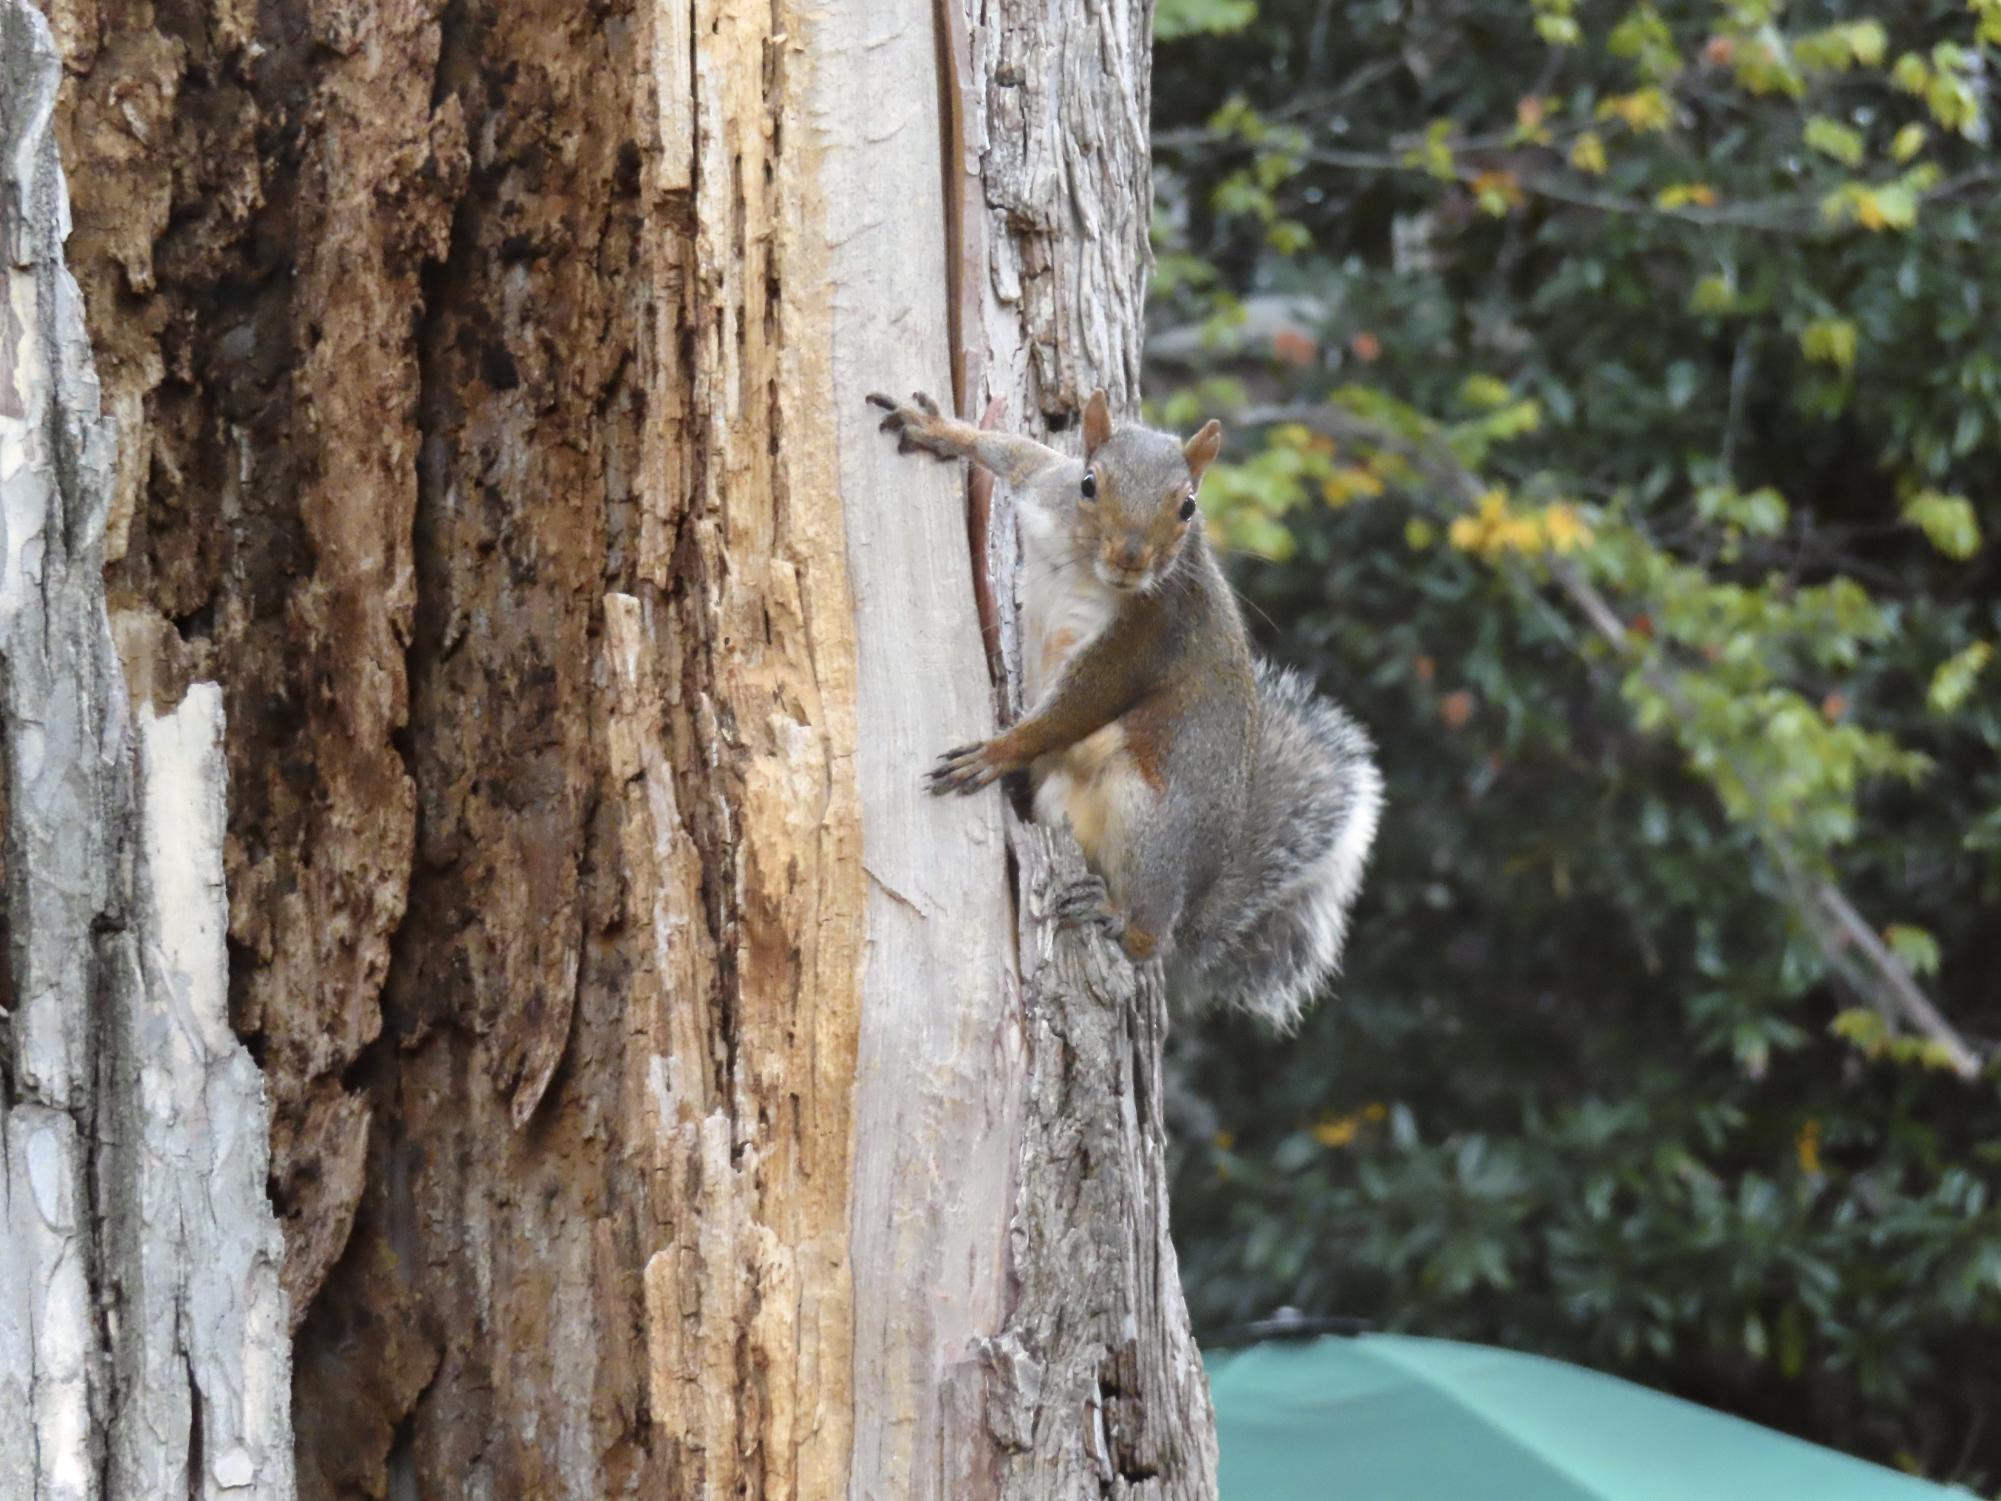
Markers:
(1137, 504)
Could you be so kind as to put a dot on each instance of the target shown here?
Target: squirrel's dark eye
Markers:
(1188, 509)
(1090, 486)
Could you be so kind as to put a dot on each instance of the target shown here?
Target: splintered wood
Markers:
(664, 1096)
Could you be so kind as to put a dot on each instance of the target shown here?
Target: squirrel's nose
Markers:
(1129, 555)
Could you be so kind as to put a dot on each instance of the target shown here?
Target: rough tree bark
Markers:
(142, 1327)
(664, 1098)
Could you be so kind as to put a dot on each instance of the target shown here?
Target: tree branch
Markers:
(1886, 983)
(1794, 214)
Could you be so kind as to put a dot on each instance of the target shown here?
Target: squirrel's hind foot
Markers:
(1087, 902)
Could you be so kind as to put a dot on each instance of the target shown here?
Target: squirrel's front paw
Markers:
(916, 426)
(968, 768)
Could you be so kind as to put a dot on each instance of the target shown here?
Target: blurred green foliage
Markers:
(1690, 308)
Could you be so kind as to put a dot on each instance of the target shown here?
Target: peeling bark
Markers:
(200, 1339)
(666, 1098)
(144, 1344)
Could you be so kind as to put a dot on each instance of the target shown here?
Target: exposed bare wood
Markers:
(938, 1085)
(650, 1067)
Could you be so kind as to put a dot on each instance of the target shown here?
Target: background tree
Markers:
(1628, 399)
(532, 653)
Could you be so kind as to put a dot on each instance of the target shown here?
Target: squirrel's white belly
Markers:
(1095, 788)
(1063, 608)
(1093, 785)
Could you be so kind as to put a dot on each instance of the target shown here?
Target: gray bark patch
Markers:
(144, 1346)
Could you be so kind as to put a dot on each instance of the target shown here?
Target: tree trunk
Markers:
(663, 1097)
(142, 1325)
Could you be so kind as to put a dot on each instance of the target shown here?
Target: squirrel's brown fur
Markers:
(1226, 812)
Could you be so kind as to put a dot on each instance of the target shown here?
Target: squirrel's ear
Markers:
(1097, 421)
(1201, 450)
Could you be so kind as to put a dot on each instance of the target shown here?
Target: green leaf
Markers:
(1861, 1027)
(1917, 948)
(1435, 155)
(1175, 19)
(1644, 38)
(1762, 512)
(1953, 681)
(1288, 237)
(1947, 521)
(1867, 41)
(1879, 206)
(1911, 73)
(1556, 24)
(1829, 341)
(1714, 294)
(1831, 138)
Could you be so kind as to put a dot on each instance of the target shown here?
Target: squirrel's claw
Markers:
(900, 418)
(912, 424)
(964, 769)
(1086, 903)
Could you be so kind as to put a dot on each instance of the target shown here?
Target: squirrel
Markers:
(1225, 810)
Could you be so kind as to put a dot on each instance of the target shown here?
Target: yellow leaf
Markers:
(1337, 1131)
(1350, 482)
(1566, 529)
(1806, 1146)
(1643, 110)
(1890, 205)
(1531, 112)
(1680, 194)
(1909, 142)
(1829, 341)
(1496, 529)
(1497, 192)
(1517, 534)
(1588, 154)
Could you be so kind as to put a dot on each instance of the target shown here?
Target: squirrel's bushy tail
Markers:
(1315, 798)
